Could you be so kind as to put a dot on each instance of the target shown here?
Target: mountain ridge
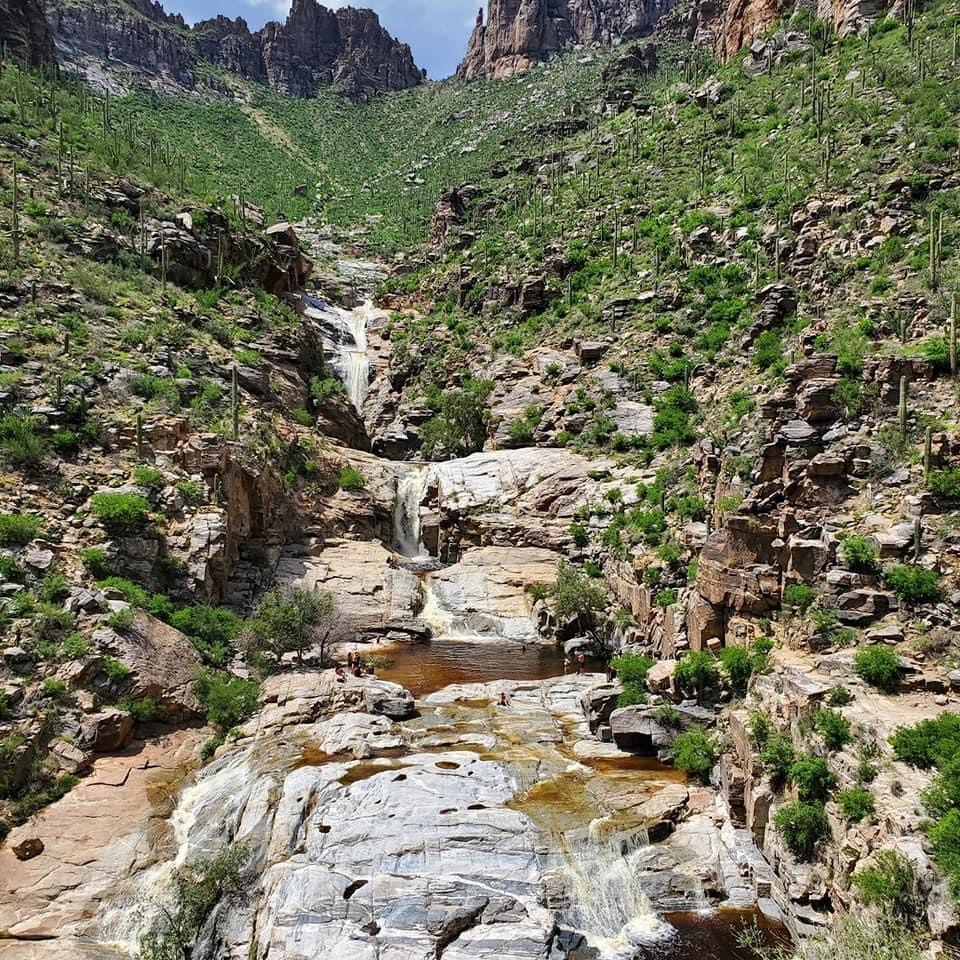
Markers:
(314, 47)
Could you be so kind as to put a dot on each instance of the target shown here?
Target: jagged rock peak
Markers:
(314, 47)
(23, 32)
(519, 33)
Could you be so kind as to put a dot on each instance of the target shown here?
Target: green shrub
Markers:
(580, 535)
(936, 350)
(18, 529)
(914, 584)
(576, 597)
(198, 889)
(291, 620)
(945, 483)
(54, 588)
(115, 670)
(21, 444)
(121, 620)
(54, 689)
(301, 416)
(632, 670)
(834, 727)
(839, 696)
(192, 492)
(122, 514)
(929, 743)
(665, 598)
(856, 803)
(350, 480)
(799, 596)
(52, 622)
(96, 561)
(459, 426)
(212, 630)
(694, 752)
(768, 352)
(802, 826)
(10, 569)
(857, 553)
(738, 666)
(812, 777)
(759, 729)
(889, 884)
(227, 701)
(149, 477)
(322, 390)
(142, 711)
(945, 837)
(74, 646)
(879, 666)
(697, 673)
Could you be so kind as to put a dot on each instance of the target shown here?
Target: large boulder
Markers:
(106, 731)
(163, 666)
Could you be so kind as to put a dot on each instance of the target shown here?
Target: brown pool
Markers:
(425, 668)
(714, 936)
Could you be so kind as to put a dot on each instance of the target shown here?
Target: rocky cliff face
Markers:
(314, 47)
(736, 24)
(518, 33)
(23, 32)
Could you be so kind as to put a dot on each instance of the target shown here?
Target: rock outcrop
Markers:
(314, 47)
(24, 34)
(520, 33)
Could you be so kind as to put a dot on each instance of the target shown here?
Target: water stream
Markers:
(345, 338)
(411, 490)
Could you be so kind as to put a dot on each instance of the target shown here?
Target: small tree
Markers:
(695, 752)
(812, 777)
(834, 727)
(576, 596)
(879, 666)
(738, 666)
(914, 584)
(802, 826)
(697, 673)
(292, 620)
(858, 554)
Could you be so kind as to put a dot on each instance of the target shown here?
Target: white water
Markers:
(608, 904)
(411, 490)
(345, 336)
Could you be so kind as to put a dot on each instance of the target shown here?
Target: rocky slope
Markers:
(24, 34)
(116, 44)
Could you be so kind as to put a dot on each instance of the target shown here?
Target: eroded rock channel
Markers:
(478, 816)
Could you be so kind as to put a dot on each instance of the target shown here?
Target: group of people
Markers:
(581, 661)
(354, 666)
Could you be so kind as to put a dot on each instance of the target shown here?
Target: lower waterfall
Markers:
(608, 905)
(411, 489)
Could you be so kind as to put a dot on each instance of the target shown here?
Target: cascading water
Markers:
(608, 905)
(345, 336)
(411, 490)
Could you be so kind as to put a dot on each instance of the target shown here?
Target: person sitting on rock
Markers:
(504, 699)
(341, 676)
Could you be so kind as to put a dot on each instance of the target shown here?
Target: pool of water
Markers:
(424, 668)
(715, 936)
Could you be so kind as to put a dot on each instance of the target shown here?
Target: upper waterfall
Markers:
(345, 340)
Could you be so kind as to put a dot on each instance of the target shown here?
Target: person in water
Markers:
(581, 662)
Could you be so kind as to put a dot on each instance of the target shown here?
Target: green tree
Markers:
(577, 597)
(695, 752)
(879, 666)
(697, 673)
(459, 426)
(292, 620)
(802, 826)
(812, 777)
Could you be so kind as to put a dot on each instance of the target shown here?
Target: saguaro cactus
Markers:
(903, 407)
(235, 403)
(15, 235)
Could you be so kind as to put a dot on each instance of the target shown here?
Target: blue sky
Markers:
(437, 30)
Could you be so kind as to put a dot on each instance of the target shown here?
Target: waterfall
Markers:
(345, 337)
(607, 901)
(355, 360)
(411, 490)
